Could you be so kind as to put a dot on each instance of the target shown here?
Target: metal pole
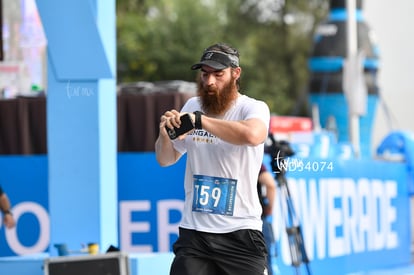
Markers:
(352, 56)
(1, 31)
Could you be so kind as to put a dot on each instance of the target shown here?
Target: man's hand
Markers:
(8, 220)
(170, 119)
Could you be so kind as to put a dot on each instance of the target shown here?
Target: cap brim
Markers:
(211, 63)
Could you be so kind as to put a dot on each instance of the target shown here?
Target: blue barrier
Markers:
(355, 213)
(139, 264)
(23, 265)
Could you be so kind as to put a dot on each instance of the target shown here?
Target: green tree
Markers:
(159, 40)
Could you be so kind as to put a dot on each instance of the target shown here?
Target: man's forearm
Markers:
(249, 132)
(165, 152)
(4, 203)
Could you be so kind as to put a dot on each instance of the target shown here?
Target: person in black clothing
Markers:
(266, 188)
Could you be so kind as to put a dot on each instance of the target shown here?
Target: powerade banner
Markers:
(354, 215)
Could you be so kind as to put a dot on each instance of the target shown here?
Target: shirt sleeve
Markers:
(259, 109)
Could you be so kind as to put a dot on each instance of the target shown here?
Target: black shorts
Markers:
(242, 252)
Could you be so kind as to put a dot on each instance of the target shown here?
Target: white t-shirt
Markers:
(222, 176)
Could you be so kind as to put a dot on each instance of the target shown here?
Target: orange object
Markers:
(286, 124)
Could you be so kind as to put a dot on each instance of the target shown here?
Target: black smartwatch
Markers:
(197, 122)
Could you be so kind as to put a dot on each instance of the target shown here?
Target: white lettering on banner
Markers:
(313, 214)
(335, 219)
(341, 216)
(128, 227)
(44, 233)
(164, 227)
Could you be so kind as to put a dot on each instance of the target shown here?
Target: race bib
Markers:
(214, 195)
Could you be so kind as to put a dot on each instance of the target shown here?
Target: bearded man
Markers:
(220, 230)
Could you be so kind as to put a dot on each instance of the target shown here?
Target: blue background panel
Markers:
(317, 195)
(74, 42)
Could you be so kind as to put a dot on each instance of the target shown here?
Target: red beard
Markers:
(215, 101)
